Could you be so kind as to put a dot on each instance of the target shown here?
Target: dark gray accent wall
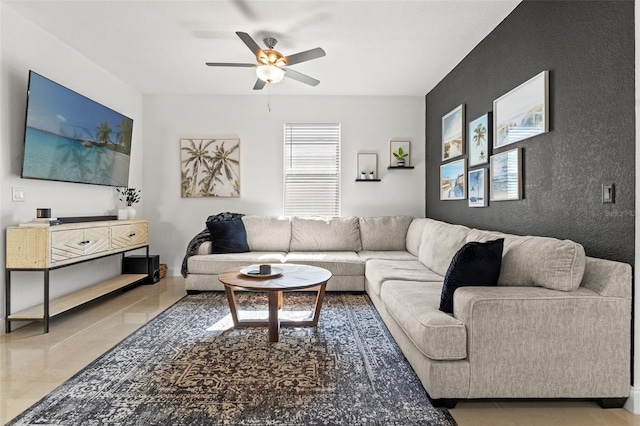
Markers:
(588, 48)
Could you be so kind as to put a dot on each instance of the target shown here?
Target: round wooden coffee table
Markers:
(293, 277)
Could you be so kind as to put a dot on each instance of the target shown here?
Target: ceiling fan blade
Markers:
(301, 77)
(251, 44)
(228, 64)
(307, 55)
(259, 84)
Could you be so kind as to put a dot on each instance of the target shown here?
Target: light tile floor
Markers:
(32, 364)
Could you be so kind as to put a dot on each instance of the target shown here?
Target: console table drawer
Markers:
(129, 235)
(74, 243)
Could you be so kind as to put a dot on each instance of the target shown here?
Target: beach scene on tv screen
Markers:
(69, 137)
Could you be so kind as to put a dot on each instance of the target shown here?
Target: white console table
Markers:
(46, 248)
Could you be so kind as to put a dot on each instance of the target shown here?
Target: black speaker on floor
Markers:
(138, 265)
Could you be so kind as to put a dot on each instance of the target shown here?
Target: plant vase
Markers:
(131, 212)
(401, 162)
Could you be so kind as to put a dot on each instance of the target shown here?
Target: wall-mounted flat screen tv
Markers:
(68, 137)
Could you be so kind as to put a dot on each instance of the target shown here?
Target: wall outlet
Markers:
(17, 194)
(608, 193)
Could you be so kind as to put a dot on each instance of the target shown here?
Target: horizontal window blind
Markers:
(312, 169)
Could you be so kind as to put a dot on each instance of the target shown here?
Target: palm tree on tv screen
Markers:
(124, 135)
(103, 133)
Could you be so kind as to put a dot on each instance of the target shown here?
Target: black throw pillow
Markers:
(475, 264)
(228, 236)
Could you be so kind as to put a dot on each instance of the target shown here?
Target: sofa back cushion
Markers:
(414, 235)
(384, 232)
(268, 233)
(538, 261)
(440, 241)
(320, 234)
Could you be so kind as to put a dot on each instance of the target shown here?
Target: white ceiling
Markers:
(384, 48)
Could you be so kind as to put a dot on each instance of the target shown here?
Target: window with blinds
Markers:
(312, 169)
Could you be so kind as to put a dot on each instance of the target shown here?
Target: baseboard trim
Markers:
(633, 402)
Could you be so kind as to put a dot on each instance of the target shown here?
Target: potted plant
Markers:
(400, 156)
(129, 196)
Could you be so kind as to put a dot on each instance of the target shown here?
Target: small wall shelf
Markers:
(396, 167)
(368, 180)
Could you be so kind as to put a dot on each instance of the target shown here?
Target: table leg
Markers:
(7, 301)
(46, 301)
(233, 307)
(318, 305)
(275, 298)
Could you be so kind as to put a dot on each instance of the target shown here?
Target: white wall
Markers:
(24, 47)
(367, 123)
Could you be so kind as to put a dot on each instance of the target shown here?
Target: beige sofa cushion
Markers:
(388, 255)
(378, 271)
(337, 262)
(267, 233)
(215, 264)
(384, 233)
(414, 235)
(414, 306)
(320, 234)
(440, 241)
(608, 278)
(537, 261)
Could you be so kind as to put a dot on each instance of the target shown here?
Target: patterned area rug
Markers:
(188, 366)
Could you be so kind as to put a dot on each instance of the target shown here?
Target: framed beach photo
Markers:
(506, 175)
(479, 137)
(453, 180)
(453, 133)
(523, 112)
(477, 188)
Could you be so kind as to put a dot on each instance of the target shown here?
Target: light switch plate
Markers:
(17, 194)
(608, 193)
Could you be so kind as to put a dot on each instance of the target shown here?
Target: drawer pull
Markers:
(132, 235)
(85, 242)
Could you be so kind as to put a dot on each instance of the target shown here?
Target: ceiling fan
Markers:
(272, 65)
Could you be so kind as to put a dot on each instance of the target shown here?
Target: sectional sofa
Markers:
(557, 325)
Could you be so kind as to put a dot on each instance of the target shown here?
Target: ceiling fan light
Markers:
(270, 73)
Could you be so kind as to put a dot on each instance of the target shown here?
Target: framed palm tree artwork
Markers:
(479, 137)
(477, 188)
(210, 167)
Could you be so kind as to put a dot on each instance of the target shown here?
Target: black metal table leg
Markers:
(7, 301)
(149, 277)
(46, 301)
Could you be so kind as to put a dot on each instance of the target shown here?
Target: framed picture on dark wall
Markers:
(477, 188)
(453, 133)
(506, 175)
(523, 112)
(453, 180)
(479, 137)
